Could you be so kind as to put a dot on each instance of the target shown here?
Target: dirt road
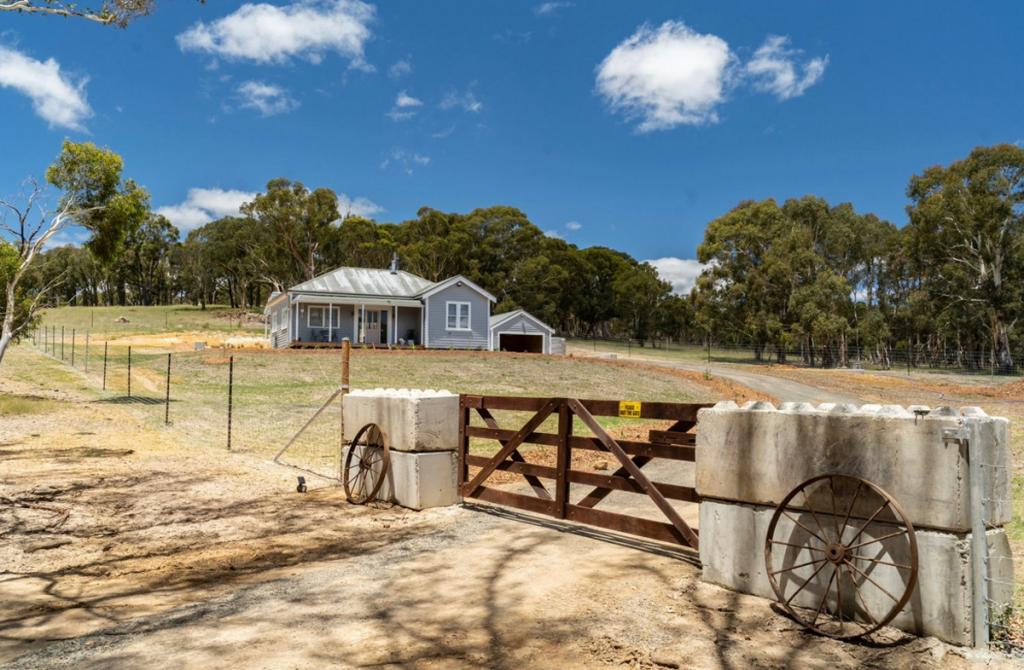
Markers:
(783, 390)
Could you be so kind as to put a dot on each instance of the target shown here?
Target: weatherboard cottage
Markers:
(393, 307)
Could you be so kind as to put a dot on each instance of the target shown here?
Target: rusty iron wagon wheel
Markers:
(366, 464)
(841, 556)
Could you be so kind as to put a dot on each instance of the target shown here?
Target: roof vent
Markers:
(394, 263)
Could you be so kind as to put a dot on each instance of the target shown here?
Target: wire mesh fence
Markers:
(253, 401)
(913, 359)
(1002, 592)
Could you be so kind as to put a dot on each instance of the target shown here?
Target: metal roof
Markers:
(366, 281)
(506, 316)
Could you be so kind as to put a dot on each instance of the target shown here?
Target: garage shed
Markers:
(520, 331)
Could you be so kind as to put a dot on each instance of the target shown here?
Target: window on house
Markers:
(315, 317)
(458, 315)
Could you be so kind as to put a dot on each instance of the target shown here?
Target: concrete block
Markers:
(415, 420)
(421, 480)
(733, 535)
(759, 455)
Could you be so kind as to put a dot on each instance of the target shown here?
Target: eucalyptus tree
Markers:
(967, 227)
(93, 195)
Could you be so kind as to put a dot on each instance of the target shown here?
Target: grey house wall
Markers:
(280, 337)
(520, 325)
(439, 337)
(340, 330)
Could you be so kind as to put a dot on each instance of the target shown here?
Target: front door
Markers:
(376, 326)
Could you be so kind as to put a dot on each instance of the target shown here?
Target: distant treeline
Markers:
(802, 276)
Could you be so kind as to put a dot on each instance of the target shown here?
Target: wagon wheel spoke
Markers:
(869, 578)
(797, 567)
(901, 566)
(849, 510)
(810, 508)
(835, 512)
(806, 582)
(877, 539)
(798, 546)
(868, 522)
(864, 604)
(824, 596)
(791, 518)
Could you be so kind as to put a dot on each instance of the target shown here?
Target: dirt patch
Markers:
(187, 341)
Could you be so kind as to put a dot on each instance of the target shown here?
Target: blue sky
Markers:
(629, 124)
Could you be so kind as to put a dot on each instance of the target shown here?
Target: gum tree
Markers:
(93, 196)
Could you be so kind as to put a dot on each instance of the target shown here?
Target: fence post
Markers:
(231, 390)
(979, 540)
(104, 366)
(87, 351)
(72, 347)
(129, 371)
(61, 342)
(167, 396)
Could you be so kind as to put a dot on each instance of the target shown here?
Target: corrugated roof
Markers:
(366, 281)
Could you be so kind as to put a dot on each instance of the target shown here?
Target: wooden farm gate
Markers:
(676, 443)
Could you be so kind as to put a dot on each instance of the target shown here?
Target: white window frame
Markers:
(309, 316)
(458, 314)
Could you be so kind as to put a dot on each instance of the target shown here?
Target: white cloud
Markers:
(550, 8)
(400, 68)
(774, 69)
(573, 226)
(466, 101)
(667, 77)
(553, 233)
(204, 205)
(359, 206)
(56, 97)
(405, 107)
(405, 160)
(406, 100)
(267, 99)
(443, 133)
(267, 33)
(682, 273)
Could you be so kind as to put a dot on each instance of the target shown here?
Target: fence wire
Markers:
(272, 394)
(1003, 592)
(914, 359)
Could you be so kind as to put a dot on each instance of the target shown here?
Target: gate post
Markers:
(463, 444)
(563, 456)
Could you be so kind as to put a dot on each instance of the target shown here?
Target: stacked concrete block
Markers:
(749, 458)
(423, 433)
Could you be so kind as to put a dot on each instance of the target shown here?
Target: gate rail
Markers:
(676, 443)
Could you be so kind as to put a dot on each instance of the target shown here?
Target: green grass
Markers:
(275, 392)
(11, 405)
(109, 322)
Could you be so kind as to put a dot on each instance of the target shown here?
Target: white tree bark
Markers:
(28, 239)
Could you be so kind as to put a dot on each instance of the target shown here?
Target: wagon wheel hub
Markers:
(836, 552)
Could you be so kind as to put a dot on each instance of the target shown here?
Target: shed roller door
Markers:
(533, 344)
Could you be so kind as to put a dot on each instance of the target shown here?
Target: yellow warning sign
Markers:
(629, 409)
